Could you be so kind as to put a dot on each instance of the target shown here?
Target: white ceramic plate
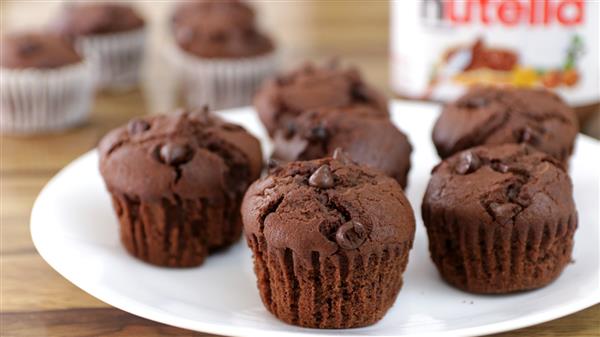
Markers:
(75, 231)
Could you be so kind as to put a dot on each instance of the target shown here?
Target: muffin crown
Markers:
(95, 18)
(219, 29)
(494, 115)
(310, 87)
(327, 205)
(188, 154)
(368, 137)
(36, 50)
(501, 184)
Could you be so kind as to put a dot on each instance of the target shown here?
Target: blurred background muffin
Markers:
(45, 84)
(220, 54)
(111, 35)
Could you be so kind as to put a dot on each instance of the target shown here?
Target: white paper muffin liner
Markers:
(220, 83)
(40, 100)
(117, 57)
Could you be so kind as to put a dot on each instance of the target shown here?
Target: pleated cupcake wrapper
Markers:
(118, 57)
(220, 83)
(340, 291)
(36, 101)
(174, 233)
(500, 258)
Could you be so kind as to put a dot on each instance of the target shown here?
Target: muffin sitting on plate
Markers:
(500, 219)
(177, 182)
(330, 85)
(45, 84)
(220, 54)
(330, 241)
(111, 35)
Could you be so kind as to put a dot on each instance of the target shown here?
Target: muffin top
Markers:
(359, 130)
(510, 183)
(327, 205)
(36, 50)
(218, 29)
(494, 115)
(310, 87)
(97, 18)
(190, 154)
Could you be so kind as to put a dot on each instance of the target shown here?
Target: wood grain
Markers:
(37, 301)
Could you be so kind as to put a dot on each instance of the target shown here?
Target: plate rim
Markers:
(139, 309)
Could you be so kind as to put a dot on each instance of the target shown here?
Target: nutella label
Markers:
(441, 47)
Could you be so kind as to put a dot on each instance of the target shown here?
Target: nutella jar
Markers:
(441, 47)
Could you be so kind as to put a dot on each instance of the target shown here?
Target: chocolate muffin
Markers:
(500, 219)
(109, 34)
(219, 29)
(330, 241)
(45, 84)
(359, 130)
(328, 86)
(36, 50)
(97, 18)
(498, 115)
(177, 182)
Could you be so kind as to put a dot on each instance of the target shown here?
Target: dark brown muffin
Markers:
(36, 50)
(219, 29)
(177, 182)
(97, 18)
(359, 130)
(328, 86)
(494, 115)
(500, 219)
(330, 241)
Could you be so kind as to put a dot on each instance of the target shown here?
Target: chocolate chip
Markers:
(341, 155)
(513, 192)
(175, 154)
(351, 235)
(318, 133)
(499, 166)
(503, 213)
(136, 126)
(529, 135)
(467, 162)
(321, 178)
(475, 102)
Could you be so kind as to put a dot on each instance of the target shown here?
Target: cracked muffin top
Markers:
(219, 29)
(494, 115)
(190, 154)
(497, 185)
(359, 130)
(288, 95)
(327, 205)
(36, 50)
(97, 18)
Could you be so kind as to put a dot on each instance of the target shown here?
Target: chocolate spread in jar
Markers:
(441, 47)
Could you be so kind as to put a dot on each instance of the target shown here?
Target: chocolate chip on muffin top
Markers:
(36, 50)
(189, 154)
(309, 87)
(493, 115)
(219, 29)
(327, 205)
(359, 130)
(96, 18)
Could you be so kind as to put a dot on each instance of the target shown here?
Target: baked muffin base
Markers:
(498, 260)
(179, 233)
(345, 290)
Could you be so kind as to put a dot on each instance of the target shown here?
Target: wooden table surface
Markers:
(37, 301)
